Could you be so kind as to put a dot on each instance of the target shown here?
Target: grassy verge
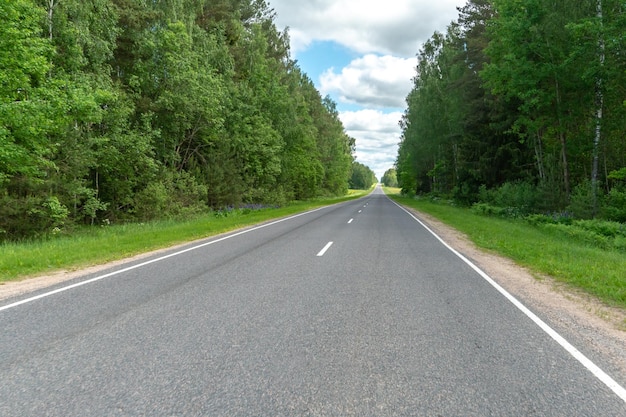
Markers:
(98, 245)
(597, 271)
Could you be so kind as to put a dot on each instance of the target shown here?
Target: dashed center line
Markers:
(323, 251)
(350, 221)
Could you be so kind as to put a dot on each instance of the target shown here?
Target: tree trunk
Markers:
(51, 5)
(562, 139)
(566, 179)
(599, 109)
(539, 157)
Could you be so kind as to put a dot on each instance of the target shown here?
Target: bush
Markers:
(521, 195)
(563, 217)
(175, 195)
(602, 227)
(489, 210)
(614, 207)
(597, 233)
(581, 201)
(587, 237)
(30, 216)
(518, 198)
(151, 202)
(465, 195)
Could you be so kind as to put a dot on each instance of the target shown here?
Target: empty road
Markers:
(350, 310)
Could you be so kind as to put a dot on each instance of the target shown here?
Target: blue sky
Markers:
(321, 56)
(362, 54)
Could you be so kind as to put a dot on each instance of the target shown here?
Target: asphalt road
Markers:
(277, 321)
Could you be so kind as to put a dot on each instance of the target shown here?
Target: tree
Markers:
(517, 96)
(25, 115)
(532, 61)
(390, 178)
(363, 178)
(116, 110)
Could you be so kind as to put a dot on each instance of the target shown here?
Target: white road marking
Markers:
(323, 251)
(171, 255)
(580, 357)
(360, 211)
(350, 221)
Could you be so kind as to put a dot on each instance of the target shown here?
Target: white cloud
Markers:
(373, 81)
(387, 35)
(377, 136)
(396, 27)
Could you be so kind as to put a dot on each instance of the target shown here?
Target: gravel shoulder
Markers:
(600, 327)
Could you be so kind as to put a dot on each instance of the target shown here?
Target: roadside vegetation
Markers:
(117, 111)
(520, 105)
(589, 255)
(93, 245)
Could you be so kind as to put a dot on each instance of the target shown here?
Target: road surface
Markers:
(349, 310)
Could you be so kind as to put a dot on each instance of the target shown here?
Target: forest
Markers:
(521, 106)
(133, 110)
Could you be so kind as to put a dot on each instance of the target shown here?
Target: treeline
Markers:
(118, 110)
(362, 178)
(390, 178)
(522, 104)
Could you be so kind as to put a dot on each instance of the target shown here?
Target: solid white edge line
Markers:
(580, 357)
(140, 265)
(323, 251)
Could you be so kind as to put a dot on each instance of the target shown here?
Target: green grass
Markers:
(98, 245)
(544, 250)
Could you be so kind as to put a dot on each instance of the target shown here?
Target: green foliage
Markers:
(390, 178)
(497, 211)
(597, 233)
(614, 207)
(55, 211)
(31, 216)
(504, 109)
(176, 195)
(363, 178)
(582, 201)
(519, 196)
(120, 111)
(25, 113)
(619, 174)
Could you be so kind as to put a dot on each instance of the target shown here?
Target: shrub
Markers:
(602, 227)
(581, 235)
(581, 201)
(597, 233)
(30, 216)
(175, 195)
(517, 198)
(614, 207)
(489, 210)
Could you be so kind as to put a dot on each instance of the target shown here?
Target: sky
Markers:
(362, 53)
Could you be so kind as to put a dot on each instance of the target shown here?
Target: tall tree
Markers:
(121, 110)
(25, 116)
